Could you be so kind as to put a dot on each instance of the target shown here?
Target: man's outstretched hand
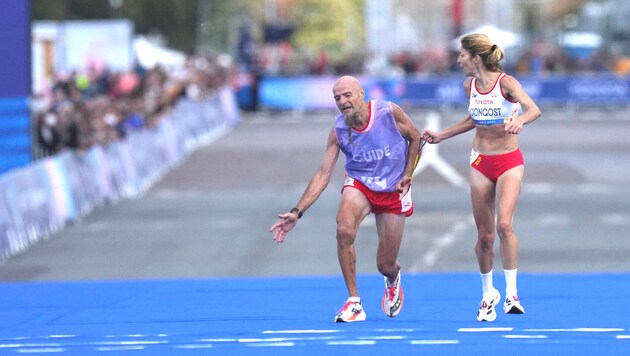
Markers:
(285, 224)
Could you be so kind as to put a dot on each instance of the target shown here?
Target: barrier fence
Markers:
(39, 199)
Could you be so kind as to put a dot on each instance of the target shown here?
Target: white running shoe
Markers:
(393, 298)
(513, 306)
(487, 306)
(349, 312)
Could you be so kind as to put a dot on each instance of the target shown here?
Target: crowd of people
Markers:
(535, 59)
(98, 106)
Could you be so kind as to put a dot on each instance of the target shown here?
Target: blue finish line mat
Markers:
(565, 314)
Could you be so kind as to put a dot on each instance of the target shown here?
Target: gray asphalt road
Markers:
(209, 216)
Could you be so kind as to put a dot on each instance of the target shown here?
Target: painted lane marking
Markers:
(482, 330)
(18, 345)
(620, 337)
(525, 336)
(392, 337)
(595, 188)
(268, 340)
(434, 342)
(439, 245)
(554, 220)
(127, 343)
(271, 344)
(36, 351)
(300, 331)
(193, 346)
(430, 157)
(397, 330)
(132, 335)
(351, 342)
(283, 339)
(616, 219)
(539, 188)
(588, 330)
(120, 348)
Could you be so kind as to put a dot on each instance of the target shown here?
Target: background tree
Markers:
(331, 25)
(174, 20)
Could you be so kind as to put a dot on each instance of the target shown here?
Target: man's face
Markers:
(348, 98)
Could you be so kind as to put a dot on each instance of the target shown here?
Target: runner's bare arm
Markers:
(315, 187)
(409, 131)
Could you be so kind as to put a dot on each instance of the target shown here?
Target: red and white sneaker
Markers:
(393, 298)
(487, 306)
(513, 306)
(351, 311)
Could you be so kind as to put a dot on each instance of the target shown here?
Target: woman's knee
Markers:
(504, 228)
(485, 239)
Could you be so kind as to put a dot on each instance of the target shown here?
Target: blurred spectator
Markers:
(98, 107)
(320, 64)
(540, 58)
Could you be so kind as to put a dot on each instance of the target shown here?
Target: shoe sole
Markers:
(514, 310)
(360, 317)
(492, 316)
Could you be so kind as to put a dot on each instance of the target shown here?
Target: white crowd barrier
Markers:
(39, 199)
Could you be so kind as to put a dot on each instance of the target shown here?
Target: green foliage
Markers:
(221, 21)
(174, 19)
(333, 25)
(336, 26)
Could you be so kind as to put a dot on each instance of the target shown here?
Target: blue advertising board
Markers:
(300, 93)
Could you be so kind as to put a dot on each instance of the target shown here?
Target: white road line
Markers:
(434, 342)
(314, 331)
(352, 342)
(586, 330)
(540, 188)
(194, 346)
(39, 351)
(272, 344)
(392, 337)
(594, 188)
(431, 158)
(615, 219)
(525, 336)
(441, 244)
(119, 348)
(482, 330)
(41, 344)
(554, 220)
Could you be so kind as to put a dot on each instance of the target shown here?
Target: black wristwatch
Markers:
(298, 211)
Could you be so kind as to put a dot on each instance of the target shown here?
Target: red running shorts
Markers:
(383, 202)
(492, 166)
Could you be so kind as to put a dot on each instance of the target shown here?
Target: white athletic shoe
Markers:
(393, 298)
(513, 306)
(487, 306)
(349, 312)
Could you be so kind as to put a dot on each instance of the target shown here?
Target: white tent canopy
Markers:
(149, 54)
(581, 39)
(500, 37)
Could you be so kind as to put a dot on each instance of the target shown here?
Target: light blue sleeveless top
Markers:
(377, 155)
